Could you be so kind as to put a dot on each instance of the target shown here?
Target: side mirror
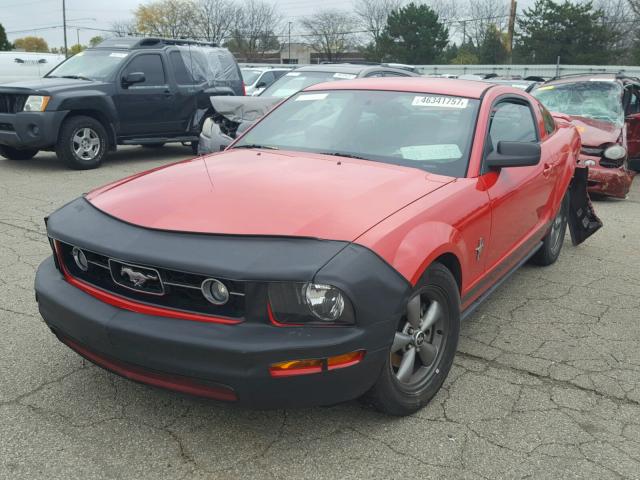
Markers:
(513, 154)
(261, 85)
(133, 78)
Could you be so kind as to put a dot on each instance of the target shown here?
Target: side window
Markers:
(180, 69)
(279, 73)
(549, 122)
(512, 122)
(395, 74)
(375, 74)
(267, 78)
(634, 103)
(151, 65)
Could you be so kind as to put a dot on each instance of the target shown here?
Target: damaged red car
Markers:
(606, 111)
(330, 253)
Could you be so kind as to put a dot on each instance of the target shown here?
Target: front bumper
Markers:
(30, 129)
(614, 182)
(234, 358)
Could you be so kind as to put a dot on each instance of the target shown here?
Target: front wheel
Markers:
(11, 153)
(549, 252)
(82, 143)
(424, 346)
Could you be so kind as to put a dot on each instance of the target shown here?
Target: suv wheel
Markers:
(423, 346)
(83, 143)
(15, 154)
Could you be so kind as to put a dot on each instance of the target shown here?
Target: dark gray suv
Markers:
(125, 91)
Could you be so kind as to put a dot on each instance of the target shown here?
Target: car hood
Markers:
(594, 133)
(48, 85)
(257, 192)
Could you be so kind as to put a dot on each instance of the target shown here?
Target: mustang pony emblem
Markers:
(137, 278)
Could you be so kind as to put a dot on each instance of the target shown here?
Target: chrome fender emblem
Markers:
(138, 279)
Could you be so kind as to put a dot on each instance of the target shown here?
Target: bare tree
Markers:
(254, 32)
(481, 15)
(620, 20)
(166, 18)
(373, 15)
(215, 19)
(330, 32)
(123, 28)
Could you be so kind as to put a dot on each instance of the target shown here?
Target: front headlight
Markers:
(309, 304)
(36, 103)
(615, 152)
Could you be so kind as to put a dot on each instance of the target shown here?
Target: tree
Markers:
(166, 18)
(466, 55)
(31, 44)
(95, 41)
(492, 50)
(77, 48)
(415, 35)
(215, 19)
(254, 29)
(574, 32)
(123, 28)
(373, 14)
(618, 18)
(330, 32)
(4, 43)
(482, 15)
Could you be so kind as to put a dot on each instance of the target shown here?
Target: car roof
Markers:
(587, 77)
(438, 86)
(353, 68)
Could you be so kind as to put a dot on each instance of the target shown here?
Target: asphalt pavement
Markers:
(546, 382)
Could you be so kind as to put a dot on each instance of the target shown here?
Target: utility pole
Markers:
(512, 25)
(78, 34)
(64, 27)
(464, 31)
(289, 61)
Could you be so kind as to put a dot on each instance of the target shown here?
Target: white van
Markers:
(15, 66)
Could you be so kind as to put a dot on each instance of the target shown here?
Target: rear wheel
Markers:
(552, 242)
(424, 346)
(82, 143)
(11, 153)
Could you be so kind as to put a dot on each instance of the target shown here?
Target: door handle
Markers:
(168, 93)
(547, 169)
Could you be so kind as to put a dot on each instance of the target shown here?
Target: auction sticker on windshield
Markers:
(446, 102)
(311, 96)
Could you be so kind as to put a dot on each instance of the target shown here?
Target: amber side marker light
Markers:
(305, 367)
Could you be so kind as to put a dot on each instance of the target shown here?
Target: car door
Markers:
(520, 197)
(632, 120)
(145, 108)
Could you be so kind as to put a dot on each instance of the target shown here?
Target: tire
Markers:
(551, 247)
(634, 164)
(11, 153)
(74, 150)
(404, 390)
(153, 145)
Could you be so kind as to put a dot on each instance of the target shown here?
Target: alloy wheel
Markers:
(419, 344)
(86, 143)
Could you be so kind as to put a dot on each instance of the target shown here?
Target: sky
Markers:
(25, 17)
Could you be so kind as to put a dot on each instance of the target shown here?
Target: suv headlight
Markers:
(36, 103)
(615, 152)
(309, 304)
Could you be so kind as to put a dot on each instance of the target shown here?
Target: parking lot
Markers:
(546, 383)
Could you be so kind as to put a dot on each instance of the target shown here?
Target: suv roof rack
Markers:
(586, 74)
(149, 42)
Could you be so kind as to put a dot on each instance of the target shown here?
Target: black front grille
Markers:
(12, 103)
(604, 161)
(7, 127)
(179, 290)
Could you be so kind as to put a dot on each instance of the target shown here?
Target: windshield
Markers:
(601, 100)
(250, 76)
(430, 132)
(90, 65)
(293, 82)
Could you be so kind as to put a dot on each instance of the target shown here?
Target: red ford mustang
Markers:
(329, 253)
